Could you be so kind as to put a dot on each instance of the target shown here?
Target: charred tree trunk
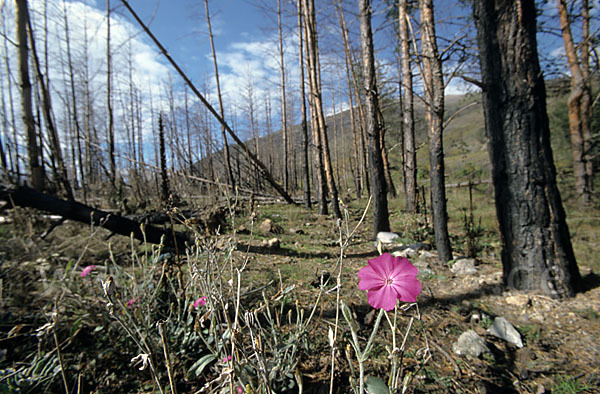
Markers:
(304, 125)
(284, 121)
(111, 123)
(164, 184)
(36, 169)
(408, 127)
(537, 254)
(434, 92)
(381, 220)
(314, 77)
(23, 196)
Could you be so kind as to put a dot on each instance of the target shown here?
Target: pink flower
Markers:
(131, 302)
(200, 301)
(225, 359)
(239, 389)
(387, 279)
(87, 270)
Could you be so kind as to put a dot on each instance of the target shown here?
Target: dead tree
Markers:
(433, 79)
(381, 220)
(36, 169)
(537, 254)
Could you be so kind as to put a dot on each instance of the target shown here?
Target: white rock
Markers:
(386, 237)
(502, 329)
(464, 267)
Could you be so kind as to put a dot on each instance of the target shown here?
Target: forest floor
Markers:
(561, 352)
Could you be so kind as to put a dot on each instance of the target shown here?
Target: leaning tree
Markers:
(537, 253)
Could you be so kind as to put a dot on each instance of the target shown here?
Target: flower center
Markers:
(389, 281)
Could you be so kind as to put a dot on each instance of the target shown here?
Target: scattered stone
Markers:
(267, 226)
(428, 255)
(470, 344)
(464, 267)
(243, 230)
(296, 231)
(502, 329)
(273, 243)
(386, 237)
(518, 300)
(407, 253)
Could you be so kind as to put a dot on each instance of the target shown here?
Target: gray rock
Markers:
(464, 267)
(502, 329)
(470, 344)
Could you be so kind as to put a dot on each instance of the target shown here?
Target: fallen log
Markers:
(24, 196)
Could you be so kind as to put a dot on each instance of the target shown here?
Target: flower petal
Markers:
(407, 290)
(384, 298)
(382, 264)
(369, 278)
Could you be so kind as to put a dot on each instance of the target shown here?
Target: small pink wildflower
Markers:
(228, 358)
(387, 279)
(239, 389)
(131, 302)
(199, 302)
(87, 270)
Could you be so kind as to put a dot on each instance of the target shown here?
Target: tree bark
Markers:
(284, 122)
(575, 108)
(303, 124)
(537, 254)
(36, 169)
(408, 127)
(381, 220)
(434, 92)
(111, 123)
(314, 77)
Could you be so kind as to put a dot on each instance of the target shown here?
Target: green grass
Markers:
(569, 385)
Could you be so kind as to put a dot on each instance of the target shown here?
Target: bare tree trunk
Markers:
(391, 189)
(284, 123)
(36, 170)
(575, 108)
(165, 193)
(317, 143)
(434, 92)
(316, 93)
(111, 126)
(537, 253)
(381, 221)
(586, 99)
(408, 127)
(356, 127)
(84, 185)
(303, 122)
(220, 98)
(61, 172)
(13, 153)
